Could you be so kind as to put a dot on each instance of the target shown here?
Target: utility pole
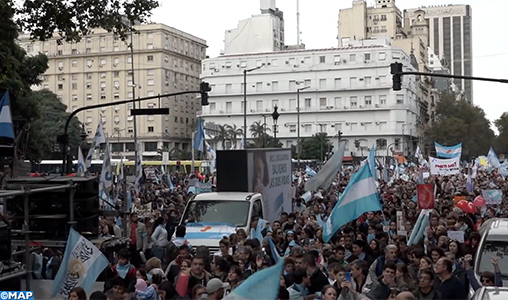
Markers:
(245, 71)
(298, 146)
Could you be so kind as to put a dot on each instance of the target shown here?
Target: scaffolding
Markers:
(26, 192)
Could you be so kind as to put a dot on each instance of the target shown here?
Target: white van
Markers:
(209, 217)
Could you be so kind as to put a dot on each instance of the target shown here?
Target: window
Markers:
(150, 128)
(129, 60)
(338, 102)
(382, 100)
(229, 106)
(150, 146)
(89, 62)
(338, 127)
(292, 85)
(149, 46)
(352, 82)
(366, 56)
(149, 72)
(308, 103)
(74, 76)
(337, 83)
(368, 80)
(292, 128)
(382, 56)
(103, 84)
(322, 103)
(150, 94)
(149, 57)
(400, 99)
(322, 84)
(352, 57)
(130, 147)
(60, 86)
(103, 74)
(229, 88)
(353, 100)
(259, 86)
(322, 59)
(243, 64)
(383, 17)
(74, 97)
(74, 63)
(259, 105)
(149, 35)
(292, 104)
(116, 61)
(88, 85)
(129, 82)
(88, 75)
(383, 29)
(150, 82)
(116, 95)
(396, 55)
(89, 97)
(368, 101)
(307, 128)
(275, 86)
(275, 103)
(129, 95)
(336, 59)
(103, 96)
(61, 77)
(259, 63)
(74, 107)
(382, 79)
(116, 84)
(307, 82)
(74, 86)
(381, 144)
(88, 119)
(60, 64)
(213, 106)
(103, 61)
(397, 144)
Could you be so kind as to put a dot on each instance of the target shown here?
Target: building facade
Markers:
(98, 69)
(260, 33)
(350, 91)
(450, 37)
(362, 22)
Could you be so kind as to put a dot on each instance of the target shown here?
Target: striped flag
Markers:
(448, 152)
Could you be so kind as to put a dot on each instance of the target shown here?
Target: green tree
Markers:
(501, 142)
(234, 133)
(316, 147)
(458, 121)
(258, 131)
(74, 19)
(45, 128)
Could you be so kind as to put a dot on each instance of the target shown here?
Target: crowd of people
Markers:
(368, 258)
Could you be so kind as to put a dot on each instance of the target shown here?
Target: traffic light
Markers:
(396, 71)
(204, 88)
(357, 143)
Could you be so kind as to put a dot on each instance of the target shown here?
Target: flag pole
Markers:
(192, 152)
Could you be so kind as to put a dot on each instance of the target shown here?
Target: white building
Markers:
(350, 91)
(260, 33)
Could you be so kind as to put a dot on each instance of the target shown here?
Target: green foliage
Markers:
(501, 142)
(50, 123)
(457, 121)
(74, 19)
(315, 147)
(262, 139)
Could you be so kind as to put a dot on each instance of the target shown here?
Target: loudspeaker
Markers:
(49, 211)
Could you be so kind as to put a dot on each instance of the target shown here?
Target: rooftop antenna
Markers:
(298, 22)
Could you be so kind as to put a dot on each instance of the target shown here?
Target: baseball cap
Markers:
(214, 285)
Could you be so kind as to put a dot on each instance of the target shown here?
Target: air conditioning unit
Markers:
(295, 66)
(362, 124)
(345, 107)
(361, 79)
(361, 106)
(267, 110)
(100, 66)
(347, 123)
(114, 65)
(377, 105)
(337, 63)
(377, 122)
(221, 111)
(252, 110)
(268, 64)
(282, 109)
(344, 61)
(286, 125)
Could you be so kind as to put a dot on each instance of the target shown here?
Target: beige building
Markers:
(98, 70)
(363, 22)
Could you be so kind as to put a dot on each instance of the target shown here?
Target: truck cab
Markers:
(209, 217)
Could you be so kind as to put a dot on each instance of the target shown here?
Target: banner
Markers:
(492, 196)
(425, 196)
(203, 187)
(444, 167)
(142, 210)
(269, 173)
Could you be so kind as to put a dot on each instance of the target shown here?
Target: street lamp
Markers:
(245, 71)
(275, 117)
(298, 147)
(264, 130)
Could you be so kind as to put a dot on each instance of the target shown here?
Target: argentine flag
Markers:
(98, 139)
(309, 171)
(359, 197)
(493, 160)
(81, 265)
(262, 285)
(199, 138)
(448, 152)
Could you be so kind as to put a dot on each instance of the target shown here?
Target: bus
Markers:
(55, 166)
(182, 166)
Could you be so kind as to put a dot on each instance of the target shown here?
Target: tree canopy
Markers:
(501, 142)
(458, 121)
(314, 147)
(73, 19)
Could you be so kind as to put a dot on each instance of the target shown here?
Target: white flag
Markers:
(98, 139)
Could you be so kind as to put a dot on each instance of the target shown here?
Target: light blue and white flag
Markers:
(328, 172)
(81, 266)
(212, 158)
(139, 172)
(359, 197)
(98, 139)
(309, 171)
(493, 160)
(199, 137)
(170, 182)
(503, 169)
(469, 182)
(129, 199)
(262, 285)
(6, 128)
(81, 163)
(273, 250)
(256, 232)
(371, 160)
(448, 152)
(107, 173)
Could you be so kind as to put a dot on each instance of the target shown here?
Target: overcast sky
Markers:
(208, 19)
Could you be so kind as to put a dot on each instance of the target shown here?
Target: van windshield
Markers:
(230, 212)
(492, 249)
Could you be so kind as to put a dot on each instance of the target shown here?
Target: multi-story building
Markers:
(98, 69)
(260, 33)
(450, 37)
(350, 91)
(362, 22)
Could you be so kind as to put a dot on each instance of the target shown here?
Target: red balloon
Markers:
(479, 201)
(462, 205)
(471, 208)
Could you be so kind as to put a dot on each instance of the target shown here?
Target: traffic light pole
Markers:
(396, 71)
(64, 138)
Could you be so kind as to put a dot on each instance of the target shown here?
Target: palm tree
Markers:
(222, 136)
(258, 132)
(233, 133)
